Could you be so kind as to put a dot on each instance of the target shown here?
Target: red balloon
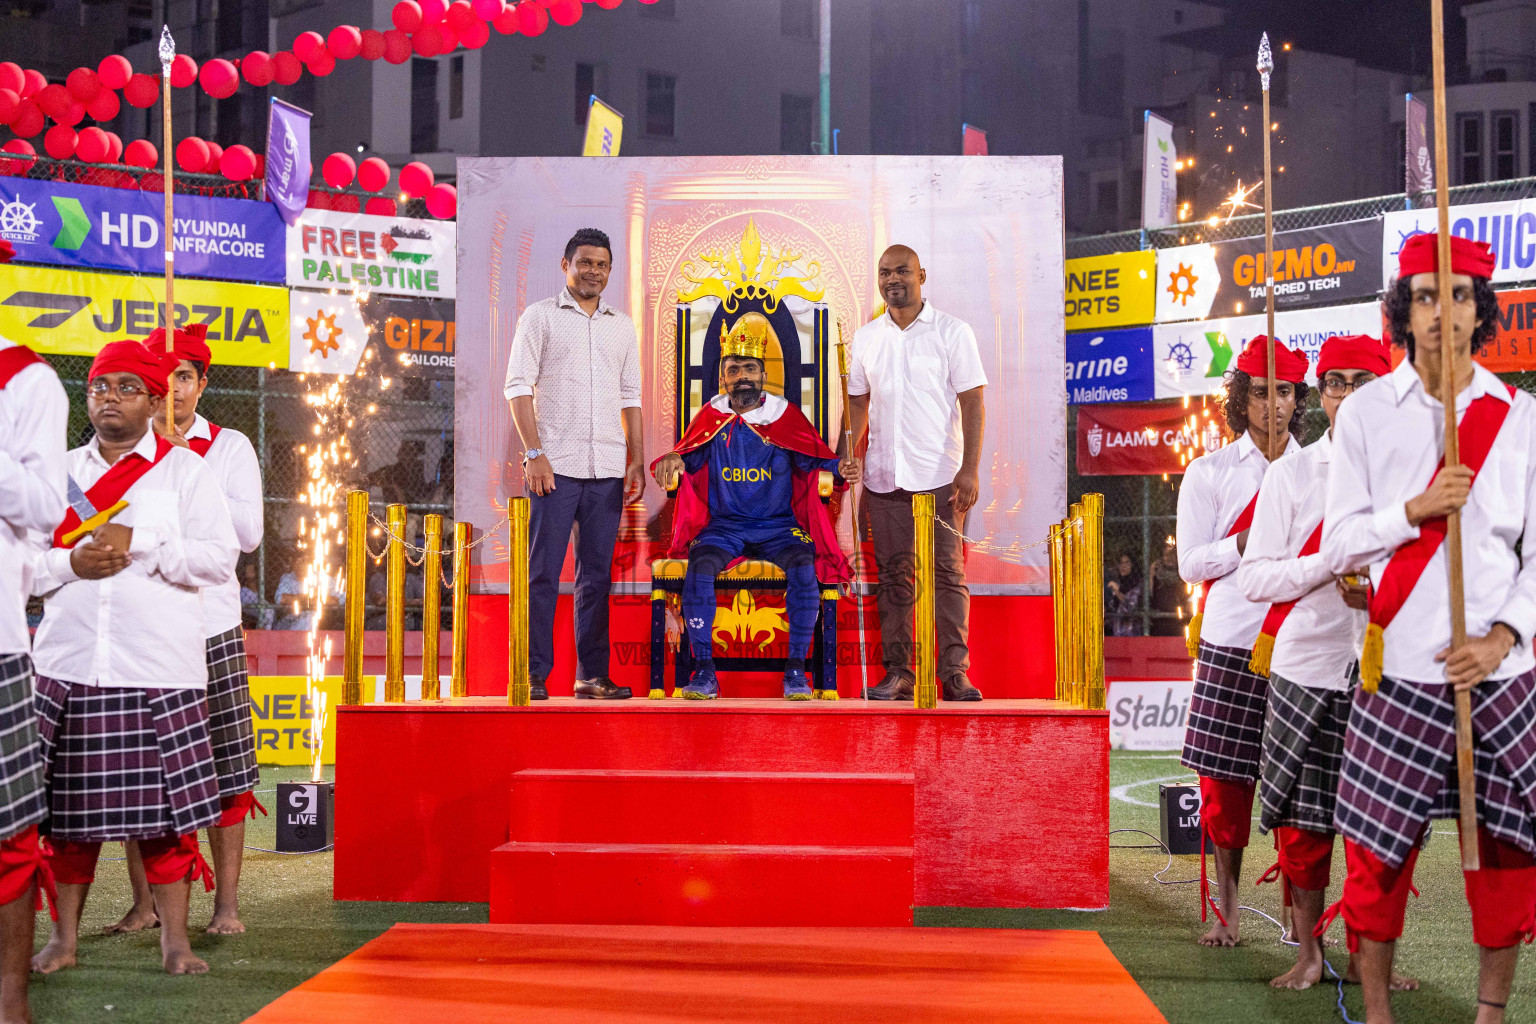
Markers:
(25, 154)
(609, 5)
(532, 19)
(397, 46)
(153, 181)
(141, 153)
(215, 154)
(238, 163)
(113, 72)
(428, 41)
(338, 170)
(415, 179)
(406, 16)
(83, 84)
(433, 11)
(323, 64)
(307, 46)
(488, 10)
(372, 174)
(54, 101)
(11, 77)
(28, 120)
(450, 39)
(319, 199)
(219, 79)
(261, 165)
(183, 71)
(74, 116)
(60, 142)
(565, 12)
(286, 68)
(344, 42)
(381, 206)
(373, 44)
(92, 145)
(104, 107)
(33, 83)
(476, 36)
(507, 20)
(9, 104)
(345, 203)
(257, 68)
(460, 15)
(443, 200)
(192, 154)
(141, 91)
(115, 154)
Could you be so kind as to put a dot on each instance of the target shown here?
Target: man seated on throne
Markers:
(751, 466)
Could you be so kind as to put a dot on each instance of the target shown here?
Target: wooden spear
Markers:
(167, 55)
(1277, 432)
(1465, 775)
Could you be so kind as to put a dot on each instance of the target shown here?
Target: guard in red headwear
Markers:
(121, 673)
(1226, 714)
(1388, 499)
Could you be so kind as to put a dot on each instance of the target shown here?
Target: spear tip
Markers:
(167, 45)
(1266, 56)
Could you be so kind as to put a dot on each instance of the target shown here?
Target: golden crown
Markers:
(748, 339)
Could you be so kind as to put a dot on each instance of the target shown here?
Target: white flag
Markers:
(1159, 182)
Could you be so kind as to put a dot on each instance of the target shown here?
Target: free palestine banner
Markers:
(387, 255)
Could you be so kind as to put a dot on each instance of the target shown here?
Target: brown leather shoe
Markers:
(892, 687)
(960, 688)
(601, 688)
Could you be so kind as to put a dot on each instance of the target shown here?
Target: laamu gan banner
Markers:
(1142, 440)
(69, 225)
(383, 255)
(1509, 228)
(1111, 291)
(74, 312)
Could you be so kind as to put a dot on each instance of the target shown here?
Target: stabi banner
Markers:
(383, 255)
(1144, 439)
(74, 312)
(1111, 291)
(1313, 267)
(413, 336)
(120, 229)
(1510, 228)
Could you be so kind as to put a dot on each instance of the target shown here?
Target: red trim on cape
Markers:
(15, 359)
(202, 444)
(109, 490)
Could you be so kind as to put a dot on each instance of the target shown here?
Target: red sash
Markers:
(109, 490)
(202, 444)
(15, 359)
(1264, 647)
(1477, 431)
(1192, 632)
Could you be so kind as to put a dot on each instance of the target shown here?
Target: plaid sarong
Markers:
(230, 729)
(1400, 763)
(1226, 716)
(125, 763)
(1303, 752)
(21, 762)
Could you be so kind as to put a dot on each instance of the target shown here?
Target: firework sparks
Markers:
(1238, 200)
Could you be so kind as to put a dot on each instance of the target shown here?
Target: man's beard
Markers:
(746, 396)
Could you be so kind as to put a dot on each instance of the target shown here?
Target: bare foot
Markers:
(225, 922)
(136, 920)
(1222, 935)
(1299, 978)
(183, 961)
(53, 957)
(1400, 982)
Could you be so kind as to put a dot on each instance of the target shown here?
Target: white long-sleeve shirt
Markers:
(1216, 489)
(1387, 443)
(233, 462)
(34, 414)
(142, 627)
(1320, 639)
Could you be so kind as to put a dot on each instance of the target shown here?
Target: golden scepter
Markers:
(167, 56)
(853, 507)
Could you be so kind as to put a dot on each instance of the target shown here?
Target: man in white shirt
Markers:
(33, 418)
(915, 378)
(1307, 647)
(573, 381)
(1388, 497)
(121, 668)
(1226, 715)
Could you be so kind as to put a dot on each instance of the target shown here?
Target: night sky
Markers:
(1389, 34)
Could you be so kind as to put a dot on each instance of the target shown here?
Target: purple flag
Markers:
(1420, 164)
(288, 159)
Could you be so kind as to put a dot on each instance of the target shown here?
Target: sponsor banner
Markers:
(380, 255)
(416, 335)
(1148, 714)
(1111, 291)
(1313, 266)
(327, 332)
(1140, 440)
(1513, 349)
(1418, 164)
(120, 229)
(1110, 366)
(605, 129)
(1159, 180)
(76, 312)
(1510, 228)
(280, 712)
(1194, 358)
(973, 140)
(287, 152)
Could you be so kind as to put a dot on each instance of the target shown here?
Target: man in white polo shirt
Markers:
(915, 379)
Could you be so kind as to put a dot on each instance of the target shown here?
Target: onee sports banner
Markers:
(1111, 291)
(119, 229)
(1137, 440)
(386, 255)
(72, 312)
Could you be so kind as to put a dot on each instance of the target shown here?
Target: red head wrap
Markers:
(153, 368)
(7, 251)
(190, 343)
(1289, 364)
(1420, 255)
(1354, 352)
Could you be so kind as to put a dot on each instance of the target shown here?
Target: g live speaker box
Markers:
(1178, 815)
(306, 819)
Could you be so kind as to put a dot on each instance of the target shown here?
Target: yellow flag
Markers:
(605, 129)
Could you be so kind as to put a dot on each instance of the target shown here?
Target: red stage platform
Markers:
(726, 812)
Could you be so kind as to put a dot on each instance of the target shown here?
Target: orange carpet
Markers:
(606, 974)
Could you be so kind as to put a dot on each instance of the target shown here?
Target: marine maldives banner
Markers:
(1140, 440)
(1109, 366)
(387, 255)
(120, 229)
(1313, 267)
(1510, 228)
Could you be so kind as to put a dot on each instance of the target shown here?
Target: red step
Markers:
(709, 884)
(742, 808)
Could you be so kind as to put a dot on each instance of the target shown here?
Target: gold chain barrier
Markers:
(1077, 599)
(394, 607)
(431, 607)
(357, 572)
(458, 686)
(519, 692)
(926, 693)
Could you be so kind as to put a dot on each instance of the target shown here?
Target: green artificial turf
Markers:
(296, 930)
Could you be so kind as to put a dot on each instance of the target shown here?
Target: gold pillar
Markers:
(394, 607)
(519, 694)
(1074, 534)
(1058, 606)
(1093, 601)
(431, 605)
(458, 686)
(356, 594)
(926, 692)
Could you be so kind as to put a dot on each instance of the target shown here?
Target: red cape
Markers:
(791, 431)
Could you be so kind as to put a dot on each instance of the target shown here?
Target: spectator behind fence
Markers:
(1122, 599)
(1169, 593)
(252, 615)
(404, 481)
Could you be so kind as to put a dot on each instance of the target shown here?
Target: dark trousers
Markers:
(890, 523)
(593, 508)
